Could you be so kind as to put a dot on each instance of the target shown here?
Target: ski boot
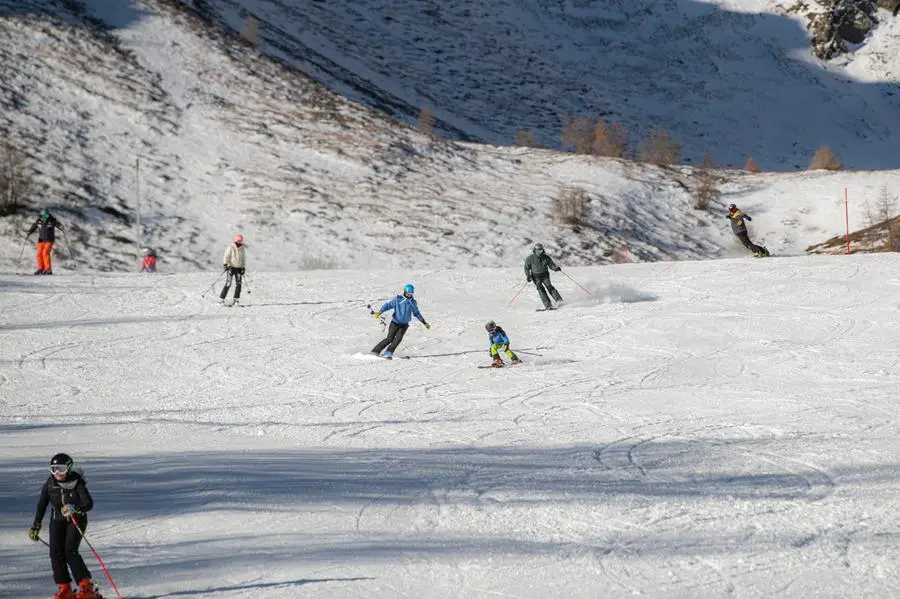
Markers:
(39, 271)
(86, 590)
(49, 271)
(388, 355)
(516, 361)
(497, 363)
(64, 592)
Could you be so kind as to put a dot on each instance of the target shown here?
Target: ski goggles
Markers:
(59, 469)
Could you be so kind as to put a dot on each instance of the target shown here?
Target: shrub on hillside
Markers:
(526, 139)
(825, 159)
(16, 180)
(578, 133)
(427, 121)
(250, 32)
(660, 148)
(572, 206)
(752, 166)
(706, 191)
(609, 140)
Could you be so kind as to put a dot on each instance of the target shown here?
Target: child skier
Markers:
(739, 228)
(499, 341)
(537, 268)
(148, 264)
(46, 226)
(66, 492)
(234, 263)
(404, 307)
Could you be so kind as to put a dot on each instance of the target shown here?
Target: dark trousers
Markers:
(236, 274)
(543, 284)
(64, 541)
(393, 339)
(745, 239)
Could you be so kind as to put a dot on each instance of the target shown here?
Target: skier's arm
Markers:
(388, 305)
(527, 269)
(85, 502)
(43, 502)
(747, 216)
(551, 264)
(418, 314)
(32, 229)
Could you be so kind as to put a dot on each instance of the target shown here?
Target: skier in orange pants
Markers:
(46, 226)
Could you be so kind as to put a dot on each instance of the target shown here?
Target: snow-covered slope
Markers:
(733, 78)
(227, 140)
(706, 429)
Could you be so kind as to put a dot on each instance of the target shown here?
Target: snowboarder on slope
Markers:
(739, 228)
(46, 226)
(234, 262)
(499, 341)
(404, 307)
(537, 268)
(148, 264)
(67, 494)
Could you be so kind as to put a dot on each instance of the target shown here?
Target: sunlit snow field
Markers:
(693, 429)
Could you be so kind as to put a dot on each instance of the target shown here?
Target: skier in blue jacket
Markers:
(404, 307)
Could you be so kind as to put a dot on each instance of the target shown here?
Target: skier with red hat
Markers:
(234, 262)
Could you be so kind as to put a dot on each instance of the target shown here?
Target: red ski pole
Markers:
(516, 295)
(97, 555)
(577, 283)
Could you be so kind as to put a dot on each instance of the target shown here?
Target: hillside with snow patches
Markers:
(731, 78)
(708, 429)
(228, 139)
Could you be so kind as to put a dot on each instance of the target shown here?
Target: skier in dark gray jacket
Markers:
(537, 269)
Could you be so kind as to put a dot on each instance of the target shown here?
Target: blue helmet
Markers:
(408, 288)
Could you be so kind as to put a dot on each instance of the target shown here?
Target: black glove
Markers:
(557, 269)
(33, 532)
(528, 279)
(748, 218)
(225, 267)
(241, 270)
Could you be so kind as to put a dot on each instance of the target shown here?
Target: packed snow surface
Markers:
(691, 429)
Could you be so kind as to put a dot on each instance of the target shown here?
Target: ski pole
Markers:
(527, 353)
(510, 303)
(69, 247)
(22, 251)
(380, 318)
(211, 287)
(577, 283)
(246, 283)
(97, 555)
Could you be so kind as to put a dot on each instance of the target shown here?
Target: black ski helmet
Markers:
(490, 326)
(538, 247)
(61, 459)
(732, 207)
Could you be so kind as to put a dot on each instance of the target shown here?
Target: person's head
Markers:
(238, 240)
(732, 208)
(408, 290)
(60, 465)
(45, 213)
(491, 326)
(538, 249)
(148, 252)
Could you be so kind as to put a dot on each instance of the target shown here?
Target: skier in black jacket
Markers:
(46, 226)
(739, 228)
(67, 493)
(537, 268)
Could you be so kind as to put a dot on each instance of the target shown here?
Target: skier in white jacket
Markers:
(234, 263)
